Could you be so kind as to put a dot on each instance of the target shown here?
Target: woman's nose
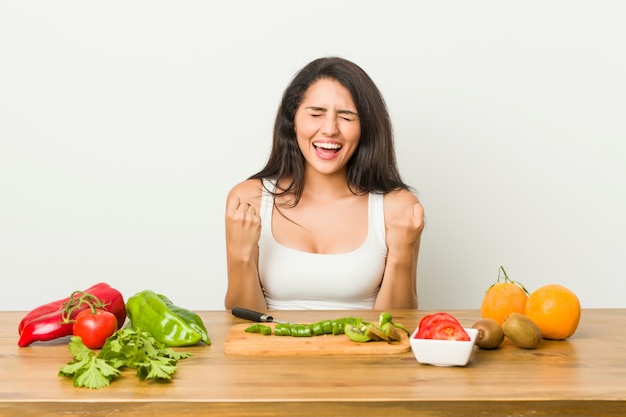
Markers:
(329, 125)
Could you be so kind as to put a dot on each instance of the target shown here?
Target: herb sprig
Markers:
(130, 348)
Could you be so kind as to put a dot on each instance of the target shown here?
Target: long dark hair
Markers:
(372, 168)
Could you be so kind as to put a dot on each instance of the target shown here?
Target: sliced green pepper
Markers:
(282, 329)
(259, 328)
(331, 327)
(317, 329)
(147, 311)
(327, 326)
(301, 330)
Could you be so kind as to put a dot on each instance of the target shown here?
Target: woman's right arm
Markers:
(243, 229)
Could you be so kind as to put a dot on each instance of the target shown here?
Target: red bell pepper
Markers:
(51, 307)
(51, 321)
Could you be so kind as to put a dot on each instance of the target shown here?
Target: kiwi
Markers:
(357, 332)
(387, 333)
(376, 334)
(490, 334)
(522, 331)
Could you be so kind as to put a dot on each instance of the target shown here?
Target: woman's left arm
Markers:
(404, 220)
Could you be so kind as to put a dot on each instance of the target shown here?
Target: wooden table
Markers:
(585, 375)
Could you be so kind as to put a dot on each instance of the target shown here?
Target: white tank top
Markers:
(297, 280)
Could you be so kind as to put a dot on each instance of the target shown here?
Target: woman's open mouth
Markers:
(327, 149)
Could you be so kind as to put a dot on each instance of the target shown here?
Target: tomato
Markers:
(441, 326)
(449, 330)
(94, 328)
(428, 322)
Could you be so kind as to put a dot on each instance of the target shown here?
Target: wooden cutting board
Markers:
(239, 342)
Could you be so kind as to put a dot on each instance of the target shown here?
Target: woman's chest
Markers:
(336, 227)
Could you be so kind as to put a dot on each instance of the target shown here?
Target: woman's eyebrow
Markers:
(349, 112)
(322, 109)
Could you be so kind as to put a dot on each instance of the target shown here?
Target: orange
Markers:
(555, 309)
(502, 299)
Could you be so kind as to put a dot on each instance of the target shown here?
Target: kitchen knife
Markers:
(244, 313)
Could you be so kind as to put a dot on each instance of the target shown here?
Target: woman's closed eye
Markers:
(347, 116)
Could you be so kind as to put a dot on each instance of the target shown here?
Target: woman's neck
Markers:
(326, 186)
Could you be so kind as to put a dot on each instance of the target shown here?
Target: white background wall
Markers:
(123, 124)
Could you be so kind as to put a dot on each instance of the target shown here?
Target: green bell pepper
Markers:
(191, 317)
(168, 324)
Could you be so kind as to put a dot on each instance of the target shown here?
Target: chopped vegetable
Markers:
(127, 348)
(355, 328)
(333, 327)
(259, 328)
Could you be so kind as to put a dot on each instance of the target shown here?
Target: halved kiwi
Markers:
(357, 332)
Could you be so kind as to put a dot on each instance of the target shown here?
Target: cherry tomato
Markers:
(94, 329)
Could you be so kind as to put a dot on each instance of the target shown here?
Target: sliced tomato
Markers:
(449, 330)
(428, 322)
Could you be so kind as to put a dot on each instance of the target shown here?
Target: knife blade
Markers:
(244, 313)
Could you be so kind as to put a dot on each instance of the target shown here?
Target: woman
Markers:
(327, 223)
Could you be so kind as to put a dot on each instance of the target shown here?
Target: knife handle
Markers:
(244, 313)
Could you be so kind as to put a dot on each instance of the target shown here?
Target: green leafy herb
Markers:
(87, 370)
(130, 348)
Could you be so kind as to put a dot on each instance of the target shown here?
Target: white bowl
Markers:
(444, 352)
